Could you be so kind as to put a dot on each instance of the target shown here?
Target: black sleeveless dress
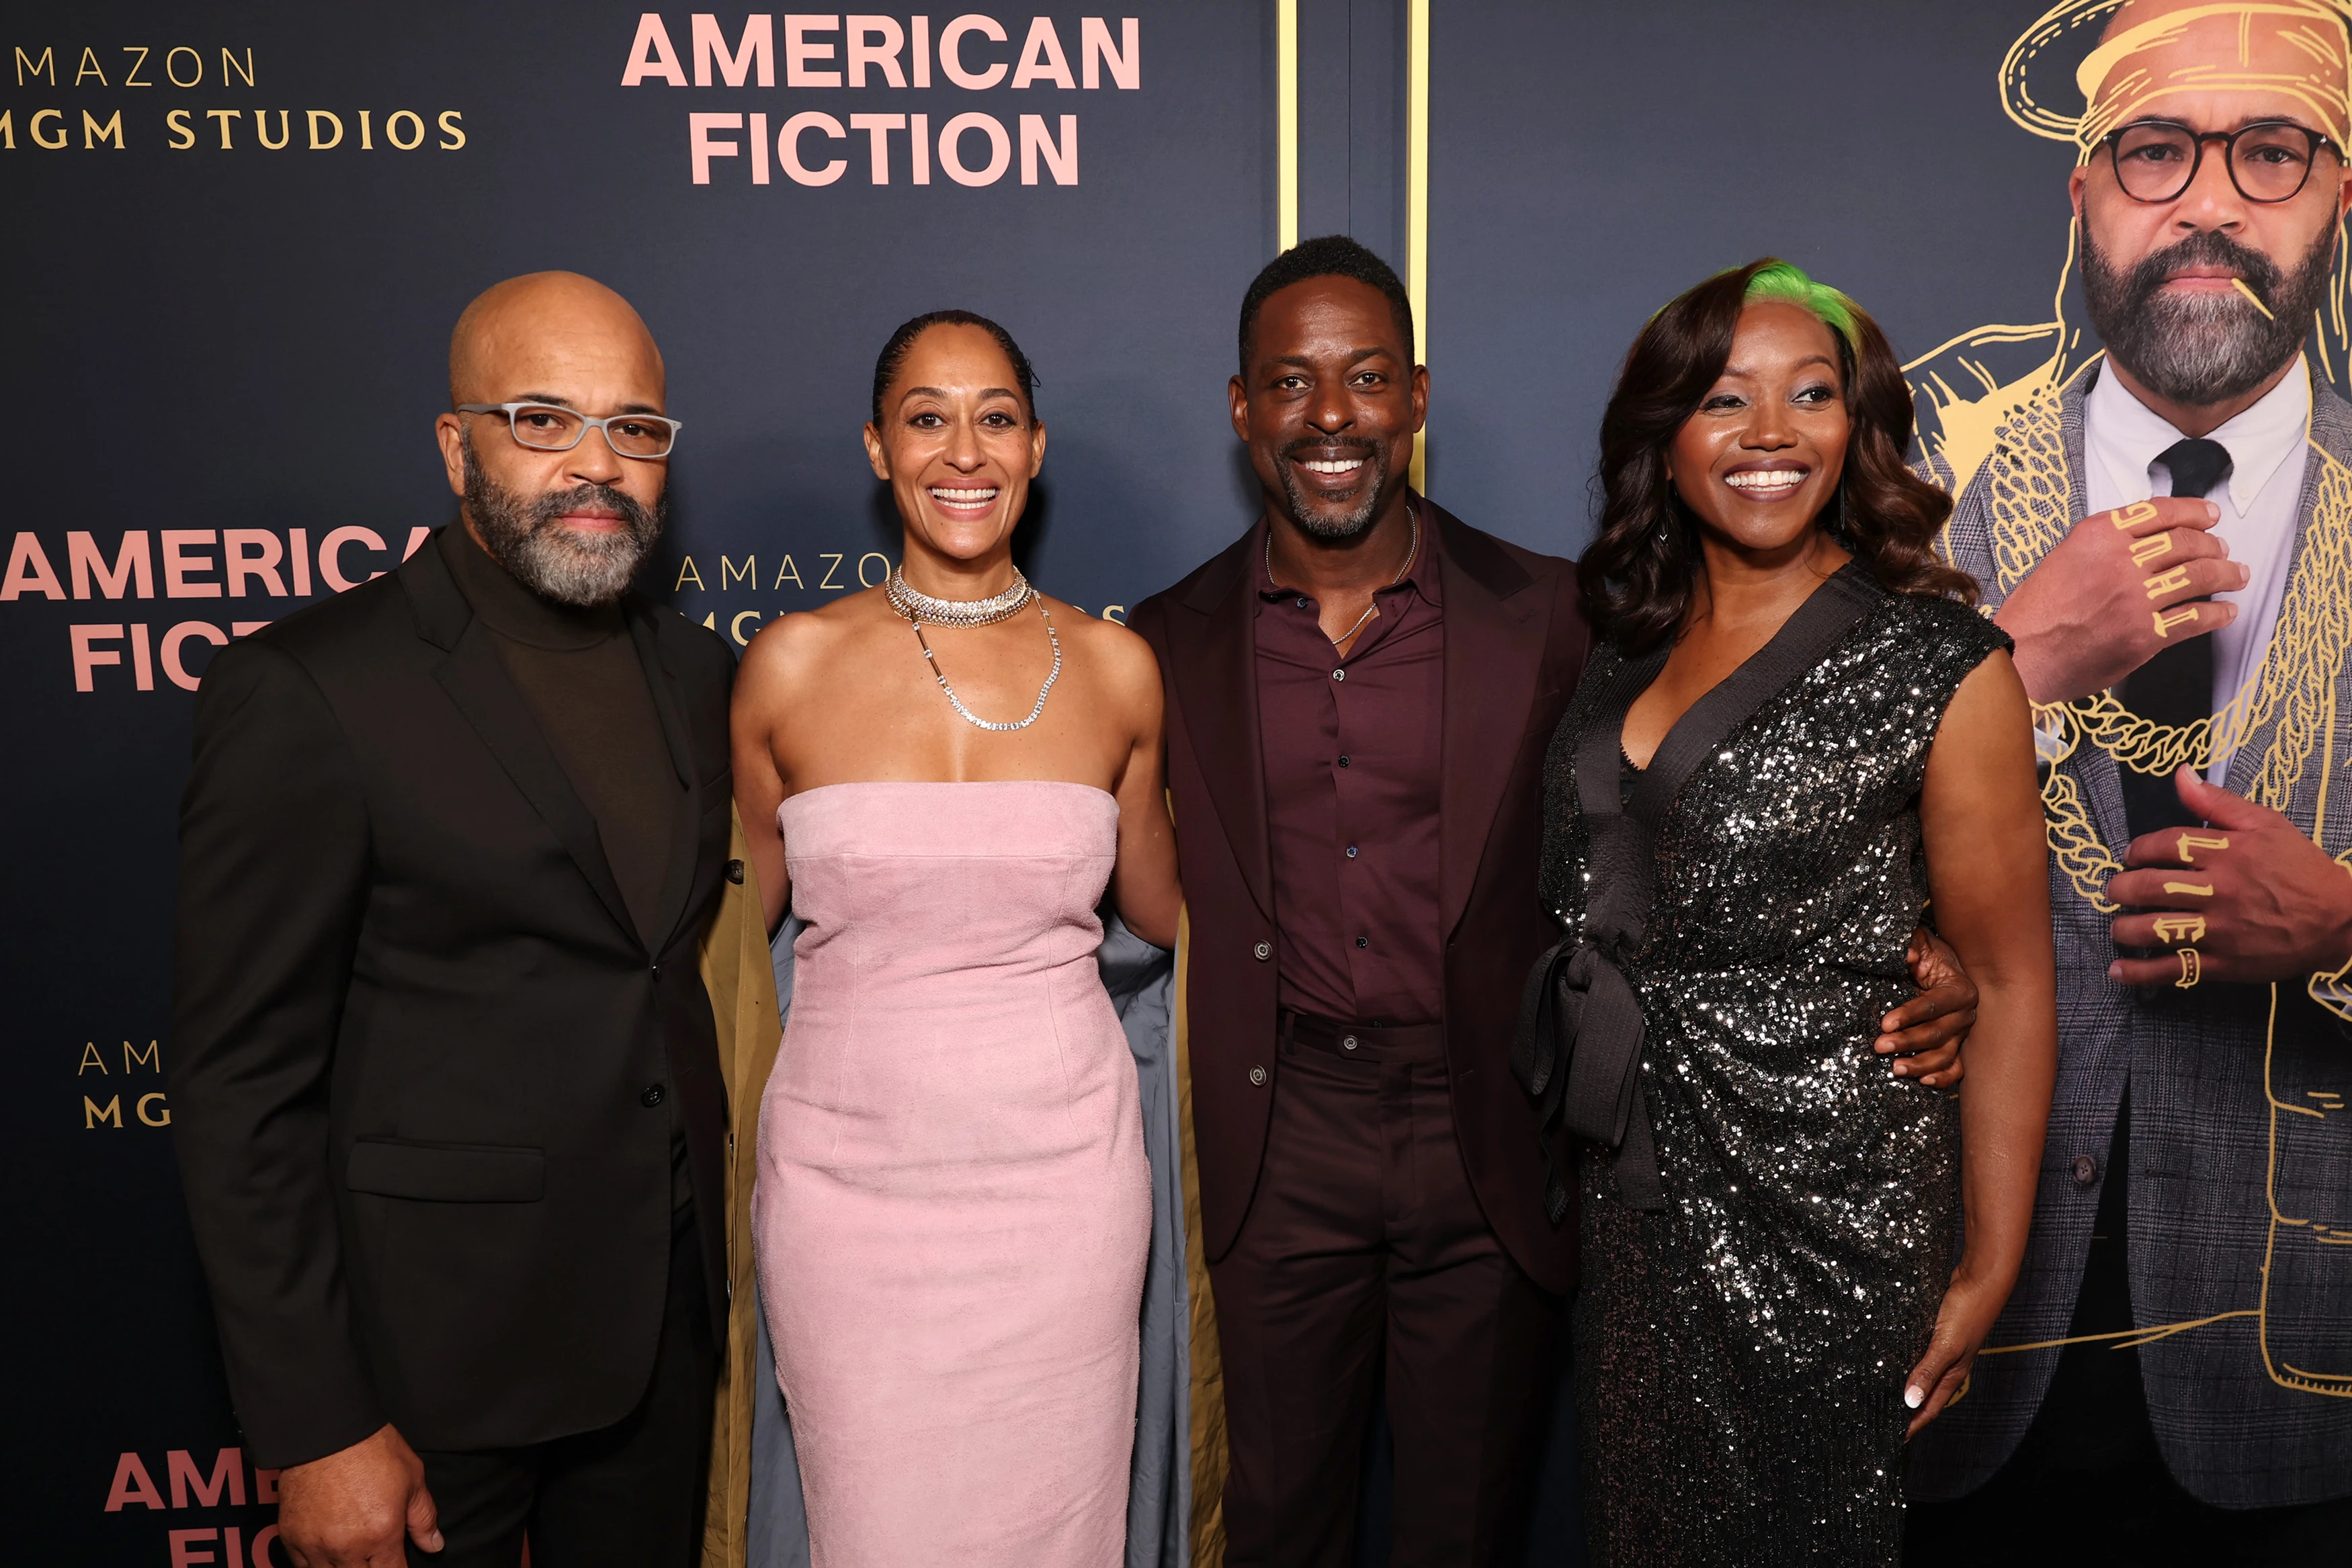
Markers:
(1752, 1303)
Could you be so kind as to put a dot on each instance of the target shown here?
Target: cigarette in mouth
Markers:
(2250, 294)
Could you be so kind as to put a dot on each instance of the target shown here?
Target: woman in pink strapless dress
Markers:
(953, 1206)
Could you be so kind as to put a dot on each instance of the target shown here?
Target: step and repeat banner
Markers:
(238, 235)
(237, 238)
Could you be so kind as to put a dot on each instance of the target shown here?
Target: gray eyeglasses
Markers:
(545, 427)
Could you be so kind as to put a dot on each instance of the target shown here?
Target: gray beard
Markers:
(1352, 524)
(583, 569)
(2205, 349)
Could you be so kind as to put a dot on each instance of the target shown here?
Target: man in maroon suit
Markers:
(1361, 690)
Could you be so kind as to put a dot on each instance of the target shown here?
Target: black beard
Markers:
(571, 568)
(2205, 349)
(1352, 524)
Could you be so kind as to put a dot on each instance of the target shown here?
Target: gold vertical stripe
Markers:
(1286, 122)
(1416, 200)
(741, 983)
(1212, 1455)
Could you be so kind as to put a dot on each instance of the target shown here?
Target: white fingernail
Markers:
(1914, 1397)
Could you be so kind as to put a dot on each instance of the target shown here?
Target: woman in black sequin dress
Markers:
(1792, 733)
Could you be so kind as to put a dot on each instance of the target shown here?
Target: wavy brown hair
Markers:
(1638, 576)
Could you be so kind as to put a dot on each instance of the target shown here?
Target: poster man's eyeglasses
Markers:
(2269, 161)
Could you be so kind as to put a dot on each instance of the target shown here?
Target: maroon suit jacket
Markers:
(1514, 645)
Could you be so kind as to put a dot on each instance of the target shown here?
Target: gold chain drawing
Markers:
(2029, 502)
(1990, 401)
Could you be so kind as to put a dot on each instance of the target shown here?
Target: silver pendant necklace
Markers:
(1411, 551)
(918, 608)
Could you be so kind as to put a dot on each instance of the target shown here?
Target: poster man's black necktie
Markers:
(2176, 687)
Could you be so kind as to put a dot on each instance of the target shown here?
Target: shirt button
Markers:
(1263, 951)
(735, 873)
(1363, 941)
(1348, 1043)
(1257, 1077)
(1339, 674)
(652, 1096)
(1343, 762)
(2086, 1170)
(1302, 604)
(1352, 851)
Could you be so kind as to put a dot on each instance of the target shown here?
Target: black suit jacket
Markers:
(1514, 645)
(417, 1036)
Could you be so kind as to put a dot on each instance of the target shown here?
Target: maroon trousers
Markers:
(1365, 1248)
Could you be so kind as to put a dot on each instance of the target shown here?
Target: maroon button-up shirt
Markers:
(1353, 753)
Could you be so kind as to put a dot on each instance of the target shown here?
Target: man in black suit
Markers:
(449, 1109)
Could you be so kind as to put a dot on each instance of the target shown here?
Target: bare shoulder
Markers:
(1122, 660)
(1992, 693)
(795, 649)
(1988, 721)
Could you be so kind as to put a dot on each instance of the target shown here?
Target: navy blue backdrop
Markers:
(1588, 163)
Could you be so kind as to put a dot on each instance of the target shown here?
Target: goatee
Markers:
(569, 567)
(2207, 347)
(1373, 476)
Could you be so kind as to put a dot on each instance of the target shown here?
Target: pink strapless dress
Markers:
(953, 1206)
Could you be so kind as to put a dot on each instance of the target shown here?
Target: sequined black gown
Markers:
(1741, 1353)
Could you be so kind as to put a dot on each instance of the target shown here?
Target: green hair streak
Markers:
(1787, 281)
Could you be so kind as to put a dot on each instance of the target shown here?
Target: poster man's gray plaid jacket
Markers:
(2241, 1168)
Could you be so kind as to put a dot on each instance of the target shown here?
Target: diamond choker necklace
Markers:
(921, 607)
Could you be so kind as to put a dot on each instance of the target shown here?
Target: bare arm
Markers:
(760, 704)
(1144, 880)
(1981, 818)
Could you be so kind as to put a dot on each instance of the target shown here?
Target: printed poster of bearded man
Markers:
(2158, 500)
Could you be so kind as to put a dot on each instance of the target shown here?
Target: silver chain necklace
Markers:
(918, 608)
(1411, 551)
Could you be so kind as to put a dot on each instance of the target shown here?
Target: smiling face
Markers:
(2163, 278)
(1762, 454)
(1330, 405)
(957, 443)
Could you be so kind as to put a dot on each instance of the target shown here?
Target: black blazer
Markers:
(1514, 645)
(423, 1065)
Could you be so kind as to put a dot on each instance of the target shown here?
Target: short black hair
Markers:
(1331, 256)
(894, 353)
